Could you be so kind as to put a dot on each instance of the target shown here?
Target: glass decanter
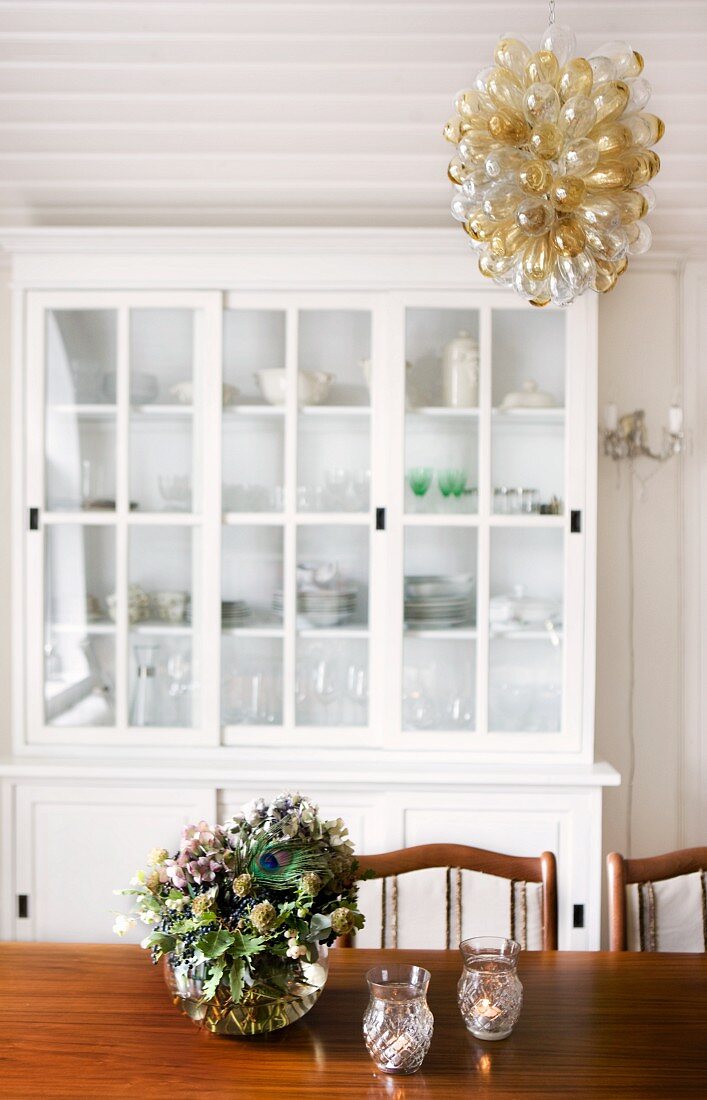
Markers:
(397, 1024)
(489, 991)
(147, 704)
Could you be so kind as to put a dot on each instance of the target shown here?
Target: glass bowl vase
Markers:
(263, 1007)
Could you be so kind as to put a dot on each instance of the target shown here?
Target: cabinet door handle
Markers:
(576, 523)
(22, 906)
(34, 519)
(380, 519)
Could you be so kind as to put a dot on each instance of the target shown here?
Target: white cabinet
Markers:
(262, 540)
(75, 845)
(264, 519)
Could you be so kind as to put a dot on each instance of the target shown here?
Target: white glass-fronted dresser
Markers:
(259, 542)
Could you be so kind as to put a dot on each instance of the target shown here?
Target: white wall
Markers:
(5, 303)
(639, 368)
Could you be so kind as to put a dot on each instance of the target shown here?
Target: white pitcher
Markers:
(460, 372)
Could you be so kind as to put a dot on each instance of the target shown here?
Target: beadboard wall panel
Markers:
(289, 113)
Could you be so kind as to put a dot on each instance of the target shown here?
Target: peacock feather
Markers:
(279, 864)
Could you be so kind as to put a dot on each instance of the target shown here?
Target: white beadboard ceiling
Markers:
(218, 112)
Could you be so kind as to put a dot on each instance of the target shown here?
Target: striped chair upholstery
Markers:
(659, 903)
(432, 896)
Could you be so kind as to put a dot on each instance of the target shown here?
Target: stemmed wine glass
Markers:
(419, 479)
(357, 690)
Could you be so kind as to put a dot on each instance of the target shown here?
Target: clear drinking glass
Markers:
(398, 1024)
(489, 991)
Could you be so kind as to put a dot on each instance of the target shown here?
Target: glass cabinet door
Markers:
(296, 455)
(122, 481)
(483, 549)
(440, 521)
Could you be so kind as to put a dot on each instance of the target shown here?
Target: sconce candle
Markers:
(675, 419)
(489, 992)
(611, 418)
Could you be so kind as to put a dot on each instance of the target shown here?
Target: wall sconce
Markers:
(627, 437)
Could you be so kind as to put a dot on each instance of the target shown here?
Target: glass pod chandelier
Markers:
(553, 164)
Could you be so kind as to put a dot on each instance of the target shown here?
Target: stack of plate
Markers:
(234, 613)
(439, 602)
(321, 607)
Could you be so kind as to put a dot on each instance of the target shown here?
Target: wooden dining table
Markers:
(96, 1021)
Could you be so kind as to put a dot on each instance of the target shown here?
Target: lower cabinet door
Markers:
(75, 845)
(524, 822)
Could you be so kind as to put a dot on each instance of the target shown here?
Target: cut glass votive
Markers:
(489, 991)
(397, 1024)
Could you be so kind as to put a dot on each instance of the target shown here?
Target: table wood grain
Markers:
(96, 1021)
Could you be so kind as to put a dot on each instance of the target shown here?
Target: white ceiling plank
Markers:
(261, 78)
(617, 19)
(446, 46)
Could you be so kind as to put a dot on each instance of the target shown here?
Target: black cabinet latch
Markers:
(380, 519)
(34, 519)
(22, 906)
(576, 523)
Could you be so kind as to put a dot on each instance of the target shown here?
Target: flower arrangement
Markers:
(247, 906)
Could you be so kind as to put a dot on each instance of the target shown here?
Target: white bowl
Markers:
(454, 585)
(312, 386)
(184, 393)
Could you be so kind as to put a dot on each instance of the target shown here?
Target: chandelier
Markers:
(553, 164)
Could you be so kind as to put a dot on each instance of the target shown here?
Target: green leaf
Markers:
(205, 918)
(246, 945)
(161, 941)
(150, 902)
(215, 943)
(214, 979)
(319, 927)
(235, 980)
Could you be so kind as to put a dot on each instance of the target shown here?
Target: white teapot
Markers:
(460, 372)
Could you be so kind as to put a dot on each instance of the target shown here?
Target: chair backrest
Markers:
(452, 890)
(639, 909)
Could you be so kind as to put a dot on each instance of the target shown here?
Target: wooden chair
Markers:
(625, 872)
(517, 869)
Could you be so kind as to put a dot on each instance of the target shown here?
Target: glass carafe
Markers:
(147, 705)
(397, 1025)
(489, 991)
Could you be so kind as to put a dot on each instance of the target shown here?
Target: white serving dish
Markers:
(312, 386)
(456, 584)
(528, 397)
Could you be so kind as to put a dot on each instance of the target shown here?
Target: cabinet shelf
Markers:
(101, 411)
(254, 631)
(105, 626)
(343, 632)
(525, 634)
(442, 412)
(233, 412)
(540, 418)
(172, 629)
(452, 633)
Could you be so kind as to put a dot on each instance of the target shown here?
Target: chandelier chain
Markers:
(551, 13)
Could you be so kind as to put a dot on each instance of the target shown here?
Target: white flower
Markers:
(138, 879)
(337, 832)
(296, 950)
(176, 903)
(255, 811)
(148, 917)
(123, 924)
